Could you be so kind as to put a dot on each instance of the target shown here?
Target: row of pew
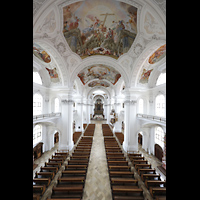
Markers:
(89, 131)
(123, 184)
(120, 137)
(70, 185)
(43, 178)
(152, 180)
(106, 130)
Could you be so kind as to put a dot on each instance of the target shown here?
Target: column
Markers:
(108, 111)
(66, 123)
(79, 121)
(130, 122)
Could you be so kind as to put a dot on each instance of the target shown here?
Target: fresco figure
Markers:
(91, 29)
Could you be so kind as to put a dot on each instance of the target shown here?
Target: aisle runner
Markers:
(97, 184)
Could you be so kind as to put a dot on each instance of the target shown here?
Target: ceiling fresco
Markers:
(145, 76)
(98, 83)
(40, 53)
(53, 75)
(99, 72)
(158, 54)
(94, 27)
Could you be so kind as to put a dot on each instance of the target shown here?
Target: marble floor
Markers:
(97, 184)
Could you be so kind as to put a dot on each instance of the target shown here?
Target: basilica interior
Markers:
(101, 63)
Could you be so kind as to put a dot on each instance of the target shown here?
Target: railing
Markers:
(42, 116)
(152, 117)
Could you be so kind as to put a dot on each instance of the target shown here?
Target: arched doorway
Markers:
(158, 152)
(139, 138)
(56, 137)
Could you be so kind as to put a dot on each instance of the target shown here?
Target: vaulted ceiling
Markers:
(98, 43)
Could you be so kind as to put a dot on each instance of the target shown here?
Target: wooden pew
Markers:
(36, 196)
(60, 160)
(49, 169)
(154, 183)
(139, 162)
(39, 189)
(150, 171)
(142, 166)
(71, 172)
(52, 164)
(67, 191)
(79, 157)
(124, 181)
(78, 162)
(157, 191)
(45, 175)
(117, 162)
(42, 181)
(122, 174)
(116, 158)
(150, 177)
(119, 168)
(72, 180)
(75, 167)
(127, 191)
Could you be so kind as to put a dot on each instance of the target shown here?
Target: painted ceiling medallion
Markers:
(40, 53)
(94, 27)
(99, 72)
(158, 54)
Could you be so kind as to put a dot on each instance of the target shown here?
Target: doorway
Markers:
(158, 152)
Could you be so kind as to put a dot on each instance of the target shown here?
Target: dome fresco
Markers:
(158, 54)
(99, 27)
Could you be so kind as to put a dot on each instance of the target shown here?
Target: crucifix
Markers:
(106, 17)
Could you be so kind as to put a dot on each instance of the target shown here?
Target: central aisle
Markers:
(97, 184)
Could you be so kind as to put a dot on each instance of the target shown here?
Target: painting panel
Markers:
(40, 53)
(53, 75)
(145, 76)
(99, 72)
(98, 83)
(158, 54)
(94, 27)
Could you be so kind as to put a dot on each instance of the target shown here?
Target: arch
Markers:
(96, 88)
(139, 63)
(56, 59)
(161, 68)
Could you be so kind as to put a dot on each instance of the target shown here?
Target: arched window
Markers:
(56, 105)
(37, 104)
(36, 78)
(160, 105)
(161, 79)
(37, 134)
(159, 136)
(141, 106)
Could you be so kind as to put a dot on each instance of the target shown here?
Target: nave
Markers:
(106, 172)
